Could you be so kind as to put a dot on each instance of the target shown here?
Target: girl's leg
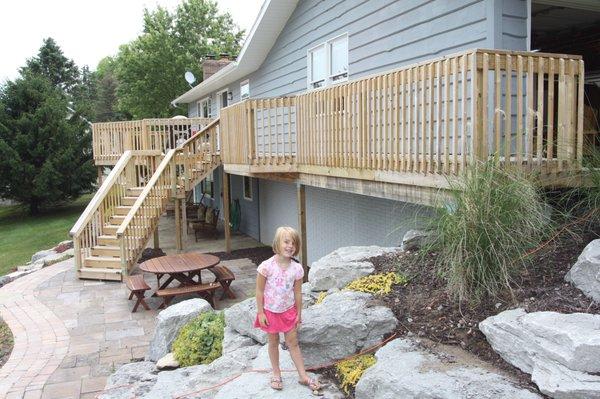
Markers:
(274, 354)
(291, 339)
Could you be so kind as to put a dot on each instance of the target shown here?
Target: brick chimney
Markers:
(210, 66)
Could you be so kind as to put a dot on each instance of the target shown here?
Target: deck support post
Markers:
(155, 237)
(226, 212)
(301, 193)
(184, 235)
(178, 245)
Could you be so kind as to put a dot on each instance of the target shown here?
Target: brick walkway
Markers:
(71, 334)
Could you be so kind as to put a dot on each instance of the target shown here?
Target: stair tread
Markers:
(106, 247)
(107, 236)
(101, 258)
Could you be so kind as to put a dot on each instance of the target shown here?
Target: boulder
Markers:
(42, 254)
(240, 317)
(343, 324)
(142, 380)
(560, 351)
(167, 362)
(55, 258)
(414, 240)
(169, 322)
(343, 265)
(585, 273)
(232, 340)
(406, 370)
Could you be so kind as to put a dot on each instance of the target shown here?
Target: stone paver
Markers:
(71, 334)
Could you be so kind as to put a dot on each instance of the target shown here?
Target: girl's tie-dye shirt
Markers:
(279, 288)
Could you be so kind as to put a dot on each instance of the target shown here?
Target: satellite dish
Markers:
(189, 77)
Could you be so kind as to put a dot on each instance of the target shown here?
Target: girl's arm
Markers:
(260, 294)
(298, 299)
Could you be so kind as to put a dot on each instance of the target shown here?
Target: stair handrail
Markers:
(102, 192)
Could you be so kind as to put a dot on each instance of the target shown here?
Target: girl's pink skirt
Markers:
(279, 322)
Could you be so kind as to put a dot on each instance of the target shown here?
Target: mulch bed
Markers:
(6, 342)
(424, 308)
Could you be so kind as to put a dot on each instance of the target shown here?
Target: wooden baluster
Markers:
(519, 138)
(508, 112)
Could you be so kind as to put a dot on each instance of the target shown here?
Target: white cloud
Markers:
(86, 31)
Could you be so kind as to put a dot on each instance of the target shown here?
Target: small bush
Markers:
(494, 217)
(201, 340)
(379, 284)
(349, 371)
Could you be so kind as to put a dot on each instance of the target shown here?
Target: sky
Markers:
(85, 30)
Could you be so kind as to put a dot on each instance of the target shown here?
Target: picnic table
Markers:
(182, 268)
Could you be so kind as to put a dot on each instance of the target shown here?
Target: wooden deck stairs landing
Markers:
(115, 227)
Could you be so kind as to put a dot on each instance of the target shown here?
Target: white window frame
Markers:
(329, 77)
(207, 100)
(242, 84)
(250, 198)
(219, 98)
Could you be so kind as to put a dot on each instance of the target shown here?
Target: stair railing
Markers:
(132, 169)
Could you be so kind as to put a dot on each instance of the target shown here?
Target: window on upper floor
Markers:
(328, 62)
(245, 89)
(204, 108)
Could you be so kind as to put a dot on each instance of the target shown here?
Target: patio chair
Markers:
(208, 226)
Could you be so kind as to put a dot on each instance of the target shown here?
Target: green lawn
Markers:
(22, 235)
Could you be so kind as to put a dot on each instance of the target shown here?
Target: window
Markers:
(204, 108)
(245, 89)
(328, 62)
(248, 188)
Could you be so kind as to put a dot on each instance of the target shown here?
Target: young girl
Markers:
(279, 303)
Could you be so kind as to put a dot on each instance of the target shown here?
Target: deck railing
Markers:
(112, 139)
(433, 117)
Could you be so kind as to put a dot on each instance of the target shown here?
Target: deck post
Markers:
(301, 193)
(178, 245)
(156, 240)
(184, 229)
(226, 211)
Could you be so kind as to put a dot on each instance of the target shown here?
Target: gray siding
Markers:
(249, 208)
(335, 219)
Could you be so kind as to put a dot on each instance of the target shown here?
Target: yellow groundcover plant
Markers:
(379, 284)
(349, 371)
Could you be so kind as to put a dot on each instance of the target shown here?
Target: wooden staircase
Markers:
(115, 227)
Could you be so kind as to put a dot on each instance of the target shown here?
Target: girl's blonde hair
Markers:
(280, 233)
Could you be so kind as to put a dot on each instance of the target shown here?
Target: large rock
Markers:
(585, 273)
(169, 322)
(240, 317)
(42, 254)
(414, 240)
(560, 351)
(405, 370)
(343, 324)
(342, 266)
(232, 340)
(141, 380)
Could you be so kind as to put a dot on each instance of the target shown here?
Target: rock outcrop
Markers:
(560, 351)
(404, 369)
(585, 273)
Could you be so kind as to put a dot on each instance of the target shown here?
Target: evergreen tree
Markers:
(45, 149)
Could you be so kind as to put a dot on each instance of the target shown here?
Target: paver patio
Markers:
(71, 334)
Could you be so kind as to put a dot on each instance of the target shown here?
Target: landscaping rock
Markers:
(343, 324)
(240, 317)
(188, 382)
(585, 273)
(232, 340)
(414, 240)
(55, 258)
(42, 254)
(405, 370)
(5, 280)
(343, 265)
(169, 322)
(167, 362)
(32, 267)
(560, 351)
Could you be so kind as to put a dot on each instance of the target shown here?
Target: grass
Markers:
(21, 235)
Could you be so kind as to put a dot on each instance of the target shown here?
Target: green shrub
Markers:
(201, 340)
(495, 215)
(349, 371)
(379, 284)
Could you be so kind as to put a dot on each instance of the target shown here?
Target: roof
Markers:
(271, 19)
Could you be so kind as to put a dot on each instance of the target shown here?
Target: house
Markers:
(345, 118)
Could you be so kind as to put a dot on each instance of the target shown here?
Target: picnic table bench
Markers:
(204, 290)
(138, 287)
